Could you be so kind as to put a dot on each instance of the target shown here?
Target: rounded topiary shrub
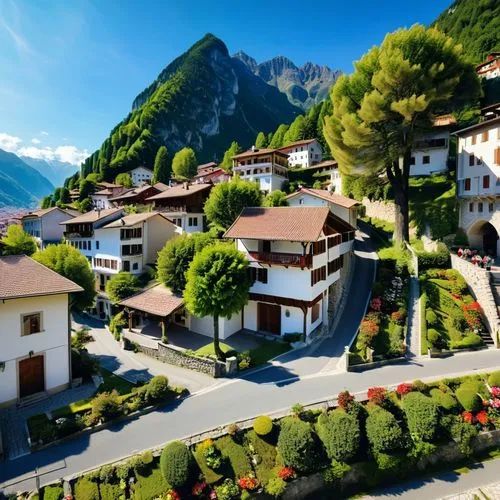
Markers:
(432, 336)
(494, 379)
(176, 463)
(263, 425)
(340, 434)
(383, 431)
(297, 446)
(422, 415)
(106, 406)
(470, 400)
(431, 317)
(444, 399)
(157, 388)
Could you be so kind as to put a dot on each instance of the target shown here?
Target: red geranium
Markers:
(376, 304)
(173, 495)
(468, 417)
(397, 317)
(248, 483)
(482, 417)
(404, 389)
(344, 399)
(286, 473)
(376, 395)
(199, 488)
(495, 391)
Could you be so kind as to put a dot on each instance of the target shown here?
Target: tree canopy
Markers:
(227, 200)
(227, 162)
(124, 179)
(261, 140)
(70, 263)
(394, 93)
(17, 242)
(87, 187)
(296, 132)
(275, 198)
(121, 286)
(184, 164)
(217, 285)
(278, 137)
(162, 170)
(176, 256)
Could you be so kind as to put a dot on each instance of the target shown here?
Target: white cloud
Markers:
(36, 141)
(9, 143)
(44, 133)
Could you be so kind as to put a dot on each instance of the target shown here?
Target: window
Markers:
(486, 181)
(315, 312)
(266, 246)
(319, 247)
(471, 207)
(485, 136)
(479, 161)
(412, 160)
(473, 140)
(491, 207)
(262, 275)
(135, 266)
(480, 206)
(472, 160)
(426, 159)
(85, 245)
(126, 234)
(31, 323)
(318, 275)
(467, 184)
(97, 245)
(192, 221)
(252, 275)
(126, 265)
(90, 245)
(335, 265)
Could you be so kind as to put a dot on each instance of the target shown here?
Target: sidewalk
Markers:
(413, 332)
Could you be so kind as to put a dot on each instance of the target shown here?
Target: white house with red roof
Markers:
(305, 153)
(45, 224)
(35, 357)
(295, 254)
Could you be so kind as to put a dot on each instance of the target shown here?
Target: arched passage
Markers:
(484, 236)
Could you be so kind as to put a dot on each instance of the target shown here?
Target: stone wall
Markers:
(339, 291)
(479, 282)
(380, 209)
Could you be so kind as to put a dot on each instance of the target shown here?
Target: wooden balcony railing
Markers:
(283, 259)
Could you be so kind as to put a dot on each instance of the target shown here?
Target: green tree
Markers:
(64, 197)
(17, 242)
(261, 140)
(162, 170)
(296, 132)
(87, 187)
(227, 162)
(275, 199)
(124, 179)
(422, 415)
(84, 205)
(217, 285)
(184, 164)
(176, 463)
(176, 256)
(121, 286)
(57, 195)
(393, 94)
(47, 202)
(70, 263)
(278, 137)
(383, 431)
(227, 200)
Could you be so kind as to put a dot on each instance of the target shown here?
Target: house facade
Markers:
(268, 167)
(141, 175)
(304, 153)
(478, 182)
(489, 68)
(45, 225)
(183, 205)
(35, 356)
(295, 254)
(134, 196)
(101, 198)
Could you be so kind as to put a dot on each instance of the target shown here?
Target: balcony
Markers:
(282, 259)
(74, 233)
(131, 253)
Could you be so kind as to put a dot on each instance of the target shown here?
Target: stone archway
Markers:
(483, 235)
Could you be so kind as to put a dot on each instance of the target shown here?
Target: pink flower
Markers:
(495, 391)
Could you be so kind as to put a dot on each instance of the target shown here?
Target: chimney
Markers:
(253, 149)
(185, 185)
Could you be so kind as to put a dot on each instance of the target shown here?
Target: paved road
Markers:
(448, 484)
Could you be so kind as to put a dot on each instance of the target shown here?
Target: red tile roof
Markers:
(92, 216)
(304, 142)
(133, 219)
(42, 211)
(338, 199)
(258, 152)
(157, 300)
(179, 191)
(24, 277)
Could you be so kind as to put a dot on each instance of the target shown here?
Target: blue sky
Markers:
(70, 69)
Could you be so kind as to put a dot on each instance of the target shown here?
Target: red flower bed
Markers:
(287, 473)
(468, 417)
(198, 489)
(397, 317)
(377, 395)
(344, 399)
(376, 304)
(248, 483)
(404, 389)
(482, 417)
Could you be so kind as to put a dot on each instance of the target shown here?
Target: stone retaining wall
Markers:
(339, 291)
(478, 280)
(380, 209)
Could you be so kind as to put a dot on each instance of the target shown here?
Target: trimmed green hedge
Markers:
(422, 416)
(428, 260)
(383, 431)
(176, 464)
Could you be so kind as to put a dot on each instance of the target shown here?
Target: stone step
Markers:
(32, 399)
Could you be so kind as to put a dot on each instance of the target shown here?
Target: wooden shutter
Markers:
(497, 156)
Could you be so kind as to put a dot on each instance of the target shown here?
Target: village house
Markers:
(134, 196)
(295, 254)
(45, 224)
(269, 167)
(305, 153)
(101, 198)
(183, 205)
(141, 175)
(213, 175)
(489, 68)
(478, 184)
(35, 358)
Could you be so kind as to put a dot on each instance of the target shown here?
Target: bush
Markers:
(494, 379)
(441, 258)
(457, 318)
(464, 433)
(431, 318)
(176, 464)
(433, 336)
(469, 341)
(387, 462)
(117, 324)
(422, 416)
(263, 425)
(419, 386)
(383, 431)
(444, 399)
(86, 490)
(470, 400)
(377, 395)
(53, 493)
(157, 388)
(107, 474)
(275, 487)
(106, 406)
(297, 446)
(227, 490)
(340, 434)
(345, 399)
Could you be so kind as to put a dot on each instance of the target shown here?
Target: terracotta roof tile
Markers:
(157, 300)
(24, 277)
(133, 219)
(42, 211)
(258, 152)
(297, 143)
(92, 216)
(279, 223)
(338, 199)
(179, 191)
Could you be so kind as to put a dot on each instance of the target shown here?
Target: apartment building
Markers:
(45, 224)
(304, 153)
(478, 181)
(141, 175)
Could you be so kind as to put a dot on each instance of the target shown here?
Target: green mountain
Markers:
(204, 99)
(475, 24)
(20, 184)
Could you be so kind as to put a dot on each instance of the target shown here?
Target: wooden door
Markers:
(31, 376)
(269, 318)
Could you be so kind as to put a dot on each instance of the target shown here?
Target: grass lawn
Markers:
(208, 350)
(150, 484)
(112, 381)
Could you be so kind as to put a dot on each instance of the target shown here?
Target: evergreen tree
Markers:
(162, 168)
(17, 242)
(64, 196)
(47, 202)
(278, 137)
(296, 132)
(227, 162)
(311, 123)
(124, 179)
(269, 138)
(184, 164)
(261, 140)
(87, 187)
(276, 198)
(393, 95)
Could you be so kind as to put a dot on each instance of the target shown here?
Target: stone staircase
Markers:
(32, 400)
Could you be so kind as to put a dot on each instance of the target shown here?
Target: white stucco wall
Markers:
(438, 156)
(205, 325)
(141, 174)
(52, 342)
